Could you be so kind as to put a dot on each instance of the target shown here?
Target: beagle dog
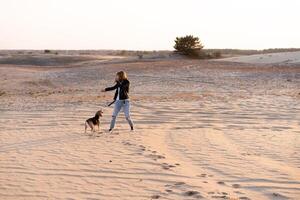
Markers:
(94, 121)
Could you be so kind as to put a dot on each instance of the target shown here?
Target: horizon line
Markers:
(83, 49)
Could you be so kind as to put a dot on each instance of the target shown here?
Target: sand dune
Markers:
(271, 58)
(204, 130)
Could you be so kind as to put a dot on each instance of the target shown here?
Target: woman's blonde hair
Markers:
(122, 75)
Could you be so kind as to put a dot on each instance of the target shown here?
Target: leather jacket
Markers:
(124, 89)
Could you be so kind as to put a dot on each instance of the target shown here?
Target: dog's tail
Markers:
(85, 126)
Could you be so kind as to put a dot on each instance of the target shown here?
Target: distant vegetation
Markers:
(47, 51)
(192, 47)
(188, 45)
(203, 53)
(238, 52)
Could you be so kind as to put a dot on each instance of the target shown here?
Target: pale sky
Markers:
(148, 24)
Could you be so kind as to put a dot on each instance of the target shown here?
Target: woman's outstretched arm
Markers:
(110, 88)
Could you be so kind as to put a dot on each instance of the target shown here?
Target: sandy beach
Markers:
(205, 129)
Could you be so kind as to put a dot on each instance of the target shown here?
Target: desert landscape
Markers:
(205, 129)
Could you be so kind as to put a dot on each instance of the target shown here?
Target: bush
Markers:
(123, 53)
(47, 51)
(188, 45)
(217, 54)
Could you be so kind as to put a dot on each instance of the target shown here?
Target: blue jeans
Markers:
(119, 104)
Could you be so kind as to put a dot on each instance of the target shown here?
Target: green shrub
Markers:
(188, 45)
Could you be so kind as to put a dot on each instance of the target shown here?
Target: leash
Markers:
(111, 103)
(114, 102)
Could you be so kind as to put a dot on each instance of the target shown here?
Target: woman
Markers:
(121, 98)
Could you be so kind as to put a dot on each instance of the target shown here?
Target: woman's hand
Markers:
(103, 90)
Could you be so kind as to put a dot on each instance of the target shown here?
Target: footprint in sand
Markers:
(156, 157)
(192, 193)
(244, 198)
(142, 147)
(167, 166)
(99, 134)
(280, 196)
(155, 196)
(202, 175)
(238, 192)
(219, 197)
(236, 185)
(181, 188)
(221, 183)
(179, 183)
(127, 143)
(116, 133)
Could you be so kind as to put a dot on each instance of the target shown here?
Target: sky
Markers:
(148, 24)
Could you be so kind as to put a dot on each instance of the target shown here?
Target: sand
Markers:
(204, 130)
(270, 58)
